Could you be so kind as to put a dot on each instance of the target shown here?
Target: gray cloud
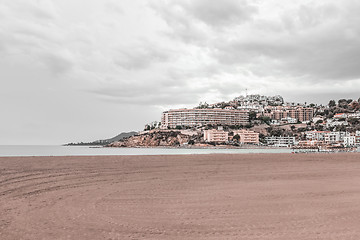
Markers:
(221, 13)
(320, 42)
(141, 56)
(150, 95)
(194, 21)
(57, 64)
(214, 14)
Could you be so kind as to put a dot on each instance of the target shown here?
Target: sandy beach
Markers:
(219, 196)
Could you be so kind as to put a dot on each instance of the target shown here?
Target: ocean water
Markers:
(41, 150)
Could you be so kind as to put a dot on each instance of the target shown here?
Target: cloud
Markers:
(224, 13)
(320, 42)
(195, 21)
(57, 64)
(149, 95)
(140, 56)
(221, 13)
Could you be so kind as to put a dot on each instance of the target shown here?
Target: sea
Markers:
(54, 150)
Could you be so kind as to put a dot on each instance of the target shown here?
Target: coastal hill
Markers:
(156, 138)
(118, 137)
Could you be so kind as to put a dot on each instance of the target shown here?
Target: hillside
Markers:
(118, 137)
(154, 138)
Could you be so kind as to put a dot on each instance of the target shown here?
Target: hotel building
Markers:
(285, 141)
(202, 117)
(247, 136)
(214, 135)
(279, 112)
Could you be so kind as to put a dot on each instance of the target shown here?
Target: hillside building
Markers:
(247, 136)
(203, 117)
(302, 114)
(285, 141)
(214, 135)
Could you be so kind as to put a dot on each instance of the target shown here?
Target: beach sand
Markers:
(219, 196)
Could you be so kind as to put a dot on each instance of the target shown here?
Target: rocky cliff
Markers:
(155, 138)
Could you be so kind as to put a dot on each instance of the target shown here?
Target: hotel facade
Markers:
(214, 135)
(282, 141)
(280, 112)
(202, 117)
(247, 136)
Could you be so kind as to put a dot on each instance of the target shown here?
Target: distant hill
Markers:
(105, 141)
(118, 137)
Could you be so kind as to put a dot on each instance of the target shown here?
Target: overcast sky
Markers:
(81, 70)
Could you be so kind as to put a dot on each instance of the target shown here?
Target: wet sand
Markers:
(244, 196)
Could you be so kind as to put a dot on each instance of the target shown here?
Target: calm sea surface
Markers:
(27, 150)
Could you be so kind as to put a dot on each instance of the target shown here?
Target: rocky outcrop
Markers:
(153, 139)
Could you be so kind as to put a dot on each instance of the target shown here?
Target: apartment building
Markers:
(247, 136)
(316, 135)
(202, 117)
(214, 135)
(285, 141)
(349, 140)
(302, 113)
(332, 137)
(295, 112)
(346, 138)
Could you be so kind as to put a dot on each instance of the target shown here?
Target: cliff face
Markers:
(153, 139)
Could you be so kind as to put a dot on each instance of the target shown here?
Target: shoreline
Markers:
(33, 151)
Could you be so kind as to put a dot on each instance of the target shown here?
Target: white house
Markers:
(354, 115)
(280, 141)
(289, 120)
(316, 135)
(340, 115)
(333, 123)
(317, 118)
(349, 140)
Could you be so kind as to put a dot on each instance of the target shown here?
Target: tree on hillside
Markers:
(236, 137)
(265, 119)
(330, 115)
(341, 128)
(332, 103)
(343, 103)
(353, 121)
(252, 115)
(275, 132)
(355, 106)
(319, 127)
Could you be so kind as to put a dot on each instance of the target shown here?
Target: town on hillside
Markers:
(256, 120)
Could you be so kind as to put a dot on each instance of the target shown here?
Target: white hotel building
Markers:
(285, 141)
(202, 117)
